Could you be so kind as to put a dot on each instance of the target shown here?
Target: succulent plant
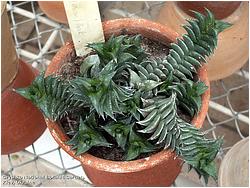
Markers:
(137, 96)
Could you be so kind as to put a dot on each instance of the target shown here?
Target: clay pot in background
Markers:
(234, 169)
(9, 60)
(21, 122)
(55, 10)
(232, 51)
(221, 9)
(160, 169)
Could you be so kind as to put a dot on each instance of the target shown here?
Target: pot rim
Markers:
(224, 170)
(116, 26)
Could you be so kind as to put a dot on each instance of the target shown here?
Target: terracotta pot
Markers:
(22, 123)
(9, 60)
(221, 9)
(54, 10)
(160, 169)
(232, 51)
(234, 169)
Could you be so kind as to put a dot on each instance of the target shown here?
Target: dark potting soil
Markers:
(154, 48)
(70, 123)
(115, 153)
(70, 69)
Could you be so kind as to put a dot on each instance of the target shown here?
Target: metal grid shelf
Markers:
(38, 38)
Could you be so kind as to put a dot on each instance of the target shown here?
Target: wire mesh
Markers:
(37, 39)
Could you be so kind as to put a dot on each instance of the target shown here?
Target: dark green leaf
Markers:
(119, 131)
(137, 145)
(88, 63)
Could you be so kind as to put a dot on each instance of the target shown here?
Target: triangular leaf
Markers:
(88, 63)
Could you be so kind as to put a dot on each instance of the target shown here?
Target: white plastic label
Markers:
(85, 24)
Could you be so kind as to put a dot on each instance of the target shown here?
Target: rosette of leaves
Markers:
(87, 136)
(127, 139)
(190, 97)
(137, 145)
(121, 49)
(120, 131)
(134, 97)
(188, 93)
(103, 93)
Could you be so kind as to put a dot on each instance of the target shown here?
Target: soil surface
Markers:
(70, 123)
(154, 48)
